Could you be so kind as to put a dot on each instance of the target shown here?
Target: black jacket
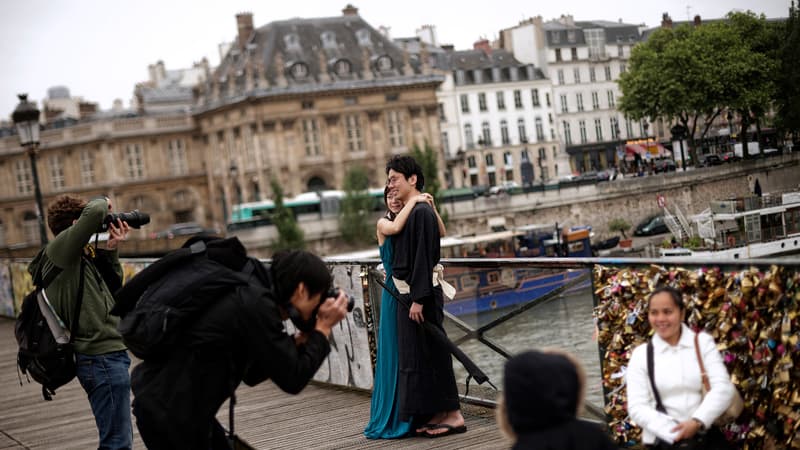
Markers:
(240, 337)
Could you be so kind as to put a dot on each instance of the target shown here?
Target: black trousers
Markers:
(713, 439)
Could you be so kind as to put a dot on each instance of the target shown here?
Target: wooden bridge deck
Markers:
(320, 417)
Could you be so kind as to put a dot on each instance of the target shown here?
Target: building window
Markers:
(509, 175)
(24, 178)
(611, 103)
(542, 154)
(574, 52)
(558, 54)
(614, 128)
(576, 72)
(592, 75)
(598, 129)
(642, 132)
(492, 178)
(305, 104)
(445, 143)
(555, 152)
(560, 74)
(311, 137)
(501, 101)
(535, 97)
(547, 99)
(582, 128)
(353, 130)
(489, 160)
(442, 117)
(508, 159)
(396, 138)
(464, 103)
(555, 37)
(176, 154)
(595, 101)
(487, 134)
(471, 163)
(518, 99)
(564, 106)
(608, 72)
(30, 227)
(468, 138)
(56, 172)
(504, 132)
(622, 67)
(2, 234)
(523, 137)
(539, 130)
(596, 41)
(473, 181)
(628, 128)
(87, 167)
(134, 161)
(567, 133)
(550, 118)
(579, 99)
(620, 51)
(482, 101)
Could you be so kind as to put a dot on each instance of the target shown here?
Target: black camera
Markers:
(135, 219)
(334, 292)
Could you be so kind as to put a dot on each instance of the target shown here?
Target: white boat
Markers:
(740, 228)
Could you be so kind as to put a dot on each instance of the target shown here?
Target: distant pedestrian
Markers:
(543, 393)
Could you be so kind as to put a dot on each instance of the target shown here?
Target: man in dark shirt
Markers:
(240, 337)
(426, 386)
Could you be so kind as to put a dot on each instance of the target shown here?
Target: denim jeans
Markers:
(106, 380)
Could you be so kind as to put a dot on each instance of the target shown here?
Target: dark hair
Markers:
(389, 213)
(675, 294)
(63, 211)
(290, 267)
(407, 166)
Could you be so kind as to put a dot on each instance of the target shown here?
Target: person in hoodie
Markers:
(101, 356)
(538, 410)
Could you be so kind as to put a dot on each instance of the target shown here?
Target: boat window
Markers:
(575, 247)
(493, 277)
(469, 281)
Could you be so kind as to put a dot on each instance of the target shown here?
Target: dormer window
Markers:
(292, 42)
(555, 36)
(342, 67)
(571, 36)
(328, 39)
(299, 70)
(362, 36)
(384, 63)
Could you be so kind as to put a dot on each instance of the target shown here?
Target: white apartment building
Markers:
(497, 120)
(583, 60)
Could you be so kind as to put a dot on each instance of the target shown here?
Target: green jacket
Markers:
(97, 329)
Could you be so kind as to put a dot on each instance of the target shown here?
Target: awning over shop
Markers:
(645, 150)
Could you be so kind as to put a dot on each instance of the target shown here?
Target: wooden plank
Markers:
(320, 417)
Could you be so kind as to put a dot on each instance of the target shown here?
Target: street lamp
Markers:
(26, 119)
(679, 132)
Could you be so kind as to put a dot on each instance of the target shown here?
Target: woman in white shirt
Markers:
(687, 417)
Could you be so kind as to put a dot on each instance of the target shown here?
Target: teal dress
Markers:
(384, 417)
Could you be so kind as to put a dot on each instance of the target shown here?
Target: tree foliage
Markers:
(428, 159)
(691, 74)
(290, 235)
(788, 75)
(355, 225)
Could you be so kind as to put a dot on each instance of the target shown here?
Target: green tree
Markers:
(290, 235)
(428, 159)
(691, 74)
(355, 208)
(788, 76)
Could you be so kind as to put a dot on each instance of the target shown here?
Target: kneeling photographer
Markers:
(233, 332)
(79, 284)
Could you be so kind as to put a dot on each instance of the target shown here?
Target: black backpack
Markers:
(162, 300)
(46, 350)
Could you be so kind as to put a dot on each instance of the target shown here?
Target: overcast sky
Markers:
(100, 49)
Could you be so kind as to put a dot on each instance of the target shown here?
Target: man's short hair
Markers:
(407, 166)
(63, 211)
(291, 267)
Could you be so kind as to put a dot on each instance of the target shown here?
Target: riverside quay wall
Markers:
(632, 199)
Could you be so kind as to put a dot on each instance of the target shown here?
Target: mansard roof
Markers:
(299, 56)
(559, 34)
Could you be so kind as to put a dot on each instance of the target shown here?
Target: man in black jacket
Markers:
(240, 337)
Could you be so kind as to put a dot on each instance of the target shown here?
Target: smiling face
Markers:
(393, 203)
(402, 188)
(666, 316)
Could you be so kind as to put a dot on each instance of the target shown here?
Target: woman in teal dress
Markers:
(384, 422)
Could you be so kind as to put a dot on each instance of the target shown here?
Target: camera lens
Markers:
(351, 301)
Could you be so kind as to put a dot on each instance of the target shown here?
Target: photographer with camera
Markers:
(101, 356)
(235, 334)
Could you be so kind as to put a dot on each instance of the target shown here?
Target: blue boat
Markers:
(483, 290)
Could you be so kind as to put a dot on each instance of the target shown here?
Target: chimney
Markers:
(666, 21)
(482, 44)
(350, 10)
(244, 23)
(697, 20)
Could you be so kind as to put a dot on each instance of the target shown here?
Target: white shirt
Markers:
(677, 378)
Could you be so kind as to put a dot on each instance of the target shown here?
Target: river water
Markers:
(564, 323)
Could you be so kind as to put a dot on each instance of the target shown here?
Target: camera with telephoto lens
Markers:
(334, 292)
(135, 219)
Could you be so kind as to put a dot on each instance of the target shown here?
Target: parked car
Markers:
(183, 229)
(730, 157)
(650, 226)
(712, 159)
(508, 186)
(664, 165)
